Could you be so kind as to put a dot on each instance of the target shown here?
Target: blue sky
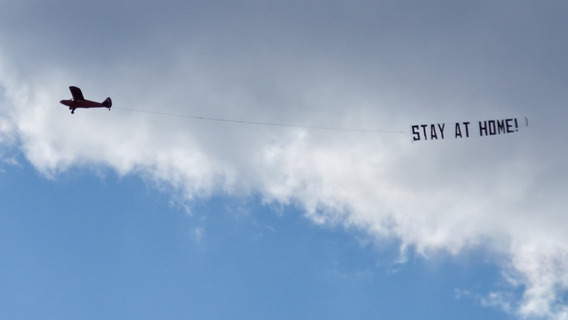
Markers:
(84, 246)
(148, 211)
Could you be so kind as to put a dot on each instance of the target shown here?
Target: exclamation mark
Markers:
(516, 125)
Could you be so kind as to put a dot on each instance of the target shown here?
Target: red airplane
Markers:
(79, 102)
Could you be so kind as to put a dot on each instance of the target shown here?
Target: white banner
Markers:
(465, 129)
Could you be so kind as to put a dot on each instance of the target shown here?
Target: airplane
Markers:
(79, 102)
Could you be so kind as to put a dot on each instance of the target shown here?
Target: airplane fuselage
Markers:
(79, 102)
(72, 104)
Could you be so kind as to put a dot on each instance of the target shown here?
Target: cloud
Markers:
(367, 65)
(198, 234)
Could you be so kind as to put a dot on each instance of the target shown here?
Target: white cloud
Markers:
(198, 234)
(367, 66)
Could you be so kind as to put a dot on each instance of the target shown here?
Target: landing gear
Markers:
(72, 111)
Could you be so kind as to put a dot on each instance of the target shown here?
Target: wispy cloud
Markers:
(198, 233)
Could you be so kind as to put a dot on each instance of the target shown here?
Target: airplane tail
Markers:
(107, 103)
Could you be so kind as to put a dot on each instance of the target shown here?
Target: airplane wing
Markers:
(76, 93)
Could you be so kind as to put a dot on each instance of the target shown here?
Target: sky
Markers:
(159, 209)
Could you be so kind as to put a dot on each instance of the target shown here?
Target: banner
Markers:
(464, 130)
